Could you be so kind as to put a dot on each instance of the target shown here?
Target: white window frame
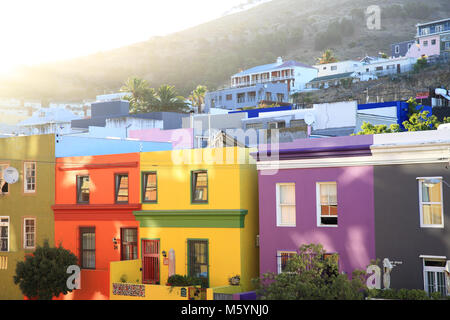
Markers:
(433, 269)
(278, 211)
(8, 224)
(422, 225)
(397, 49)
(279, 252)
(318, 205)
(25, 182)
(25, 233)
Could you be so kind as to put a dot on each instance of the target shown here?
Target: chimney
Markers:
(279, 60)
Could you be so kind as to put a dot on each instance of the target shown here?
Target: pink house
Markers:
(428, 46)
(180, 138)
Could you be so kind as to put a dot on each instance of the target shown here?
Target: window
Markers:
(280, 97)
(4, 234)
(29, 183)
(433, 42)
(87, 247)
(149, 187)
(268, 96)
(121, 188)
(199, 187)
(298, 123)
(82, 189)
(276, 125)
(282, 259)
(430, 202)
(379, 68)
(4, 189)
(397, 49)
(440, 28)
(251, 96)
(240, 97)
(128, 244)
(285, 204)
(254, 126)
(447, 46)
(326, 195)
(425, 43)
(198, 256)
(409, 45)
(333, 68)
(229, 97)
(434, 276)
(29, 233)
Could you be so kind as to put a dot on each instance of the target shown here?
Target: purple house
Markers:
(317, 191)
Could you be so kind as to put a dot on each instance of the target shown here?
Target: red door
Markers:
(150, 261)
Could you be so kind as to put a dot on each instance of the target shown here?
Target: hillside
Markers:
(209, 53)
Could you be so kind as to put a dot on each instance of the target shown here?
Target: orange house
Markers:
(95, 197)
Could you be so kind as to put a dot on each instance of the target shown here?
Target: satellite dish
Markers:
(310, 119)
(11, 175)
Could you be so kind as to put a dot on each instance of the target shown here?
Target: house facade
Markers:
(270, 83)
(310, 195)
(432, 39)
(199, 217)
(411, 227)
(386, 193)
(26, 218)
(94, 202)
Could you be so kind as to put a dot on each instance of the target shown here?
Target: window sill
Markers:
(432, 226)
(327, 226)
(286, 225)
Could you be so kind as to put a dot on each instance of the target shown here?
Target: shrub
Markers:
(177, 280)
(44, 274)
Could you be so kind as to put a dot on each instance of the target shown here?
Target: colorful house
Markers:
(26, 218)
(412, 201)
(312, 194)
(199, 218)
(362, 197)
(94, 202)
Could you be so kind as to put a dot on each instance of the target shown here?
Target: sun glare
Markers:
(41, 31)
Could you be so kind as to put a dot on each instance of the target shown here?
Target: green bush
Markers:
(404, 294)
(177, 280)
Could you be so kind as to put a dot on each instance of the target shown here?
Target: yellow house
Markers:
(199, 217)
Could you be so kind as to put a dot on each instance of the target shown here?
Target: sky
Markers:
(37, 31)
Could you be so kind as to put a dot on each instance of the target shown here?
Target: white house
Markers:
(294, 74)
(330, 69)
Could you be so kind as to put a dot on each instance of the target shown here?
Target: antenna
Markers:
(11, 175)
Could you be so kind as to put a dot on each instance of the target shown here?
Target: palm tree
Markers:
(197, 97)
(327, 57)
(167, 99)
(141, 94)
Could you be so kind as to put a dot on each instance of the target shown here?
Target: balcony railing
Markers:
(253, 82)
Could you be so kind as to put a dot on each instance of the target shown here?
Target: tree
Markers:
(197, 97)
(368, 128)
(44, 274)
(167, 99)
(421, 121)
(309, 276)
(327, 57)
(420, 64)
(141, 94)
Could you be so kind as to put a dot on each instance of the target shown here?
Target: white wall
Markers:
(341, 67)
(327, 115)
(302, 77)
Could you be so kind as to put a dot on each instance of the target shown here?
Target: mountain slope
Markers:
(209, 53)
